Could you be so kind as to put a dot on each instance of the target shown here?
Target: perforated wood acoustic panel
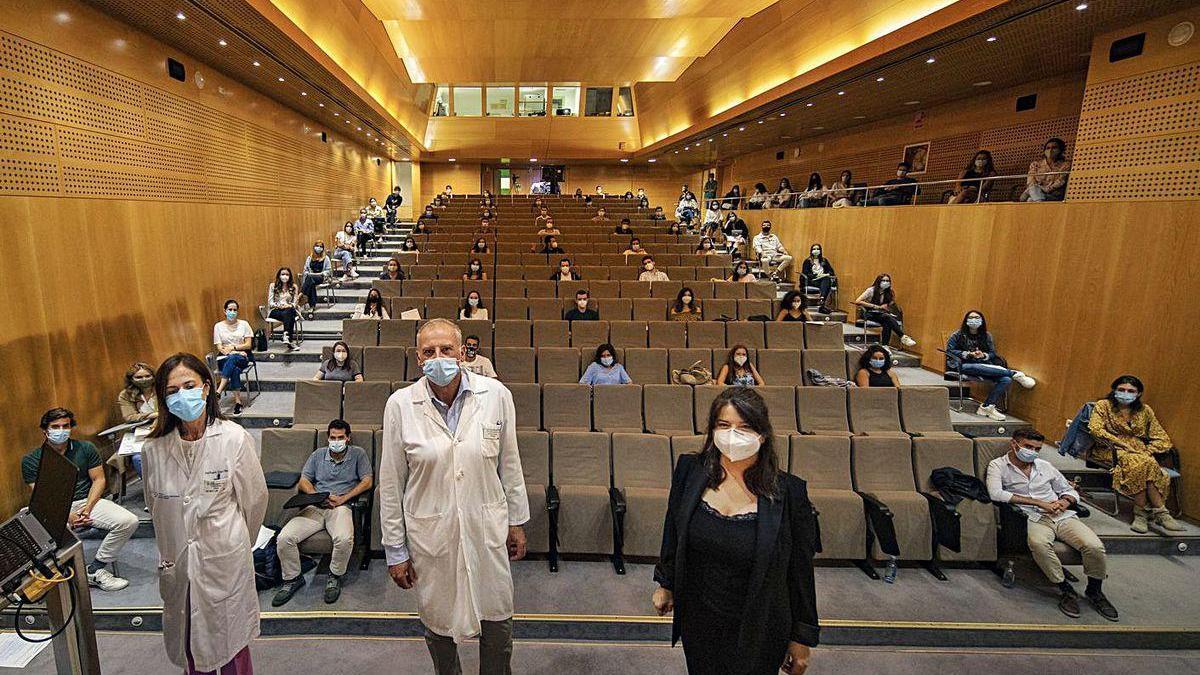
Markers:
(68, 127)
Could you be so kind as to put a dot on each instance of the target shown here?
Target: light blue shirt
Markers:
(598, 374)
(451, 413)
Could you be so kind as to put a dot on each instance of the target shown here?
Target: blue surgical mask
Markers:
(1125, 397)
(440, 371)
(58, 436)
(231, 314)
(606, 361)
(878, 363)
(974, 322)
(1026, 455)
(187, 404)
(338, 446)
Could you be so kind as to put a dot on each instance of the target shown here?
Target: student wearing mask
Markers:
(792, 307)
(427, 219)
(581, 311)
(343, 251)
(840, 193)
(879, 305)
(283, 298)
(658, 214)
(771, 252)
(344, 471)
(896, 191)
(712, 219)
(318, 269)
(1035, 486)
(136, 403)
(739, 370)
(706, 248)
(472, 307)
(548, 228)
(485, 222)
(735, 229)
(550, 246)
(475, 271)
(372, 308)
(649, 273)
(758, 200)
(233, 340)
(674, 228)
(814, 196)
(968, 187)
(375, 211)
(474, 361)
(392, 271)
(688, 207)
(971, 350)
(733, 198)
(543, 217)
(736, 566)
(600, 216)
(1044, 183)
(392, 203)
(409, 245)
(340, 367)
(623, 228)
(89, 508)
(1123, 425)
(875, 368)
(566, 272)
(604, 368)
(783, 195)
(685, 307)
(447, 193)
(364, 228)
(635, 247)
(817, 272)
(741, 274)
(480, 247)
(205, 576)
(599, 191)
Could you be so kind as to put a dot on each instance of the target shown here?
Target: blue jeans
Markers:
(231, 368)
(345, 257)
(136, 460)
(889, 199)
(1000, 375)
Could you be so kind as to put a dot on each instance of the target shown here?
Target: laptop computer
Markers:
(37, 532)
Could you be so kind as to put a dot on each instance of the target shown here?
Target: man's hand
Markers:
(796, 661)
(79, 519)
(1053, 508)
(516, 542)
(334, 501)
(664, 601)
(404, 574)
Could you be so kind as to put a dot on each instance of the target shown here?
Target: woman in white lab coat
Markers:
(207, 496)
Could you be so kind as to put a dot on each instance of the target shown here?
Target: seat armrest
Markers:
(616, 500)
(553, 502)
(875, 503)
(816, 516)
(947, 522)
(882, 523)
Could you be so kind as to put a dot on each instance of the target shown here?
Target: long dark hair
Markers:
(468, 310)
(762, 478)
(474, 274)
(785, 183)
(989, 169)
(965, 330)
(605, 348)
(817, 244)
(733, 366)
(881, 296)
(279, 285)
(166, 422)
(814, 181)
(679, 299)
(134, 369)
(864, 361)
(789, 298)
(734, 274)
(1137, 405)
(848, 175)
(373, 303)
(331, 363)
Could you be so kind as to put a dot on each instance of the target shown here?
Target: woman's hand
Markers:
(664, 601)
(796, 661)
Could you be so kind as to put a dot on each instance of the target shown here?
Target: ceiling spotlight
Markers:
(347, 121)
(992, 38)
(710, 140)
(677, 152)
(879, 79)
(280, 79)
(624, 160)
(336, 112)
(841, 93)
(1081, 6)
(652, 160)
(912, 103)
(321, 104)
(452, 160)
(304, 93)
(741, 128)
(761, 121)
(180, 15)
(257, 64)
(533, 159)
(930, 60)
(981, 83)
(358, 128)
(724, 135)
(222, 42)
(809, 104)
(783, 114)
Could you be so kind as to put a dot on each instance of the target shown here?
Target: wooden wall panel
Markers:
(1053, 281)
(661, 183)
(137, 204)
(464, 177)
(1139, 131)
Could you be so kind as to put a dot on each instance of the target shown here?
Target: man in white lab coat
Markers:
(452, 501)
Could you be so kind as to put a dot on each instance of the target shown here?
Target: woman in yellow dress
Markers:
(1120, 420)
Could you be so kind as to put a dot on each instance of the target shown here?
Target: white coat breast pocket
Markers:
(215, 481)
(489, 434)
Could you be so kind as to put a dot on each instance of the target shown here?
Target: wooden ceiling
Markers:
(608, 41)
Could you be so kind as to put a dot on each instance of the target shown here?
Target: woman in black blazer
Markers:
(737, 554)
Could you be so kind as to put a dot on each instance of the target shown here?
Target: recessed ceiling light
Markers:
(818, 128)
(724, 135)
(533, 159)
(347, 121)
(741, 128)
(710, 140)
(624, 160)
(652, 160)
(257, 64)
(62, 17)
(809, 104)
(783, 114)
(841, 93)
(452, 160)
(304, 93)
(992, 38)
(321, 104)
(180, 15)
(336, 113)
(981, 83)
(677, 152)
(931, 60)
(222, 42)
(761, 121)
(860, 117)
(879, 79)
(912, 103)
(1081, 6)
(358, 128)
(280, 79)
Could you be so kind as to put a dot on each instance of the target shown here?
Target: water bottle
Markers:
(889, 574)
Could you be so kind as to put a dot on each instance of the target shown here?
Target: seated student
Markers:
(485, 224)
(685, 307)
(600, 216)
(688, 208)
(1038, 488)
(770, 251)
(447, 194)
(472, 307)
(758, 200)
(841, 194)
(735, 230)
(233, 340)
(542, 216)
(738, 370)
(599, 191)
(604, 368)
(364, 230)
(972, 351)
(896, 191)
(641, 193)
(318, 269)
(480, 246)
(623, 228)
(537, 205)
(628, 195)
(578, 193)
(587, 200)
(635, 247)
(649, 273)
(741, 274)
(643, 203)
(967, 189)
(705, 247)
(391, 271)
(581, 311)
(474, 361)
(815, 194)
(675, 228)
(438, 202)
(428, 218)
(548, 228)
(712, 218)
(1044, 184)
(89, 508)
(1121, 422)
(343, 251)
(422, 229)
(792, 307)
(875, 368)
(283, 298)
(733, 199)
(879, 305)
(658, 214)
(409, 245)
(475, 271)
(566, 272)
(137, 403)
(372, 308)
(339, 367)
(783, 195)
(375, 211)
(344, 471)
(550, 246)
(817, 272)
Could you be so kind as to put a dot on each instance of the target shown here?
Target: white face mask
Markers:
(885, 284)
(649, 267)
(606, 361)
(340, 356)
(740, 360)
(900, 174)
(687, 299)
(736, 444)
(974, 322)
(474, 302)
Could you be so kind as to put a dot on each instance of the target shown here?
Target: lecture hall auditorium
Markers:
(698, 337)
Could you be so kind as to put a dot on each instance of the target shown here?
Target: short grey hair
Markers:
(434, 323)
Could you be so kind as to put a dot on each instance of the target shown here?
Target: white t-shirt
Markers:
(233, 336)
(482, 365)
(346, 239)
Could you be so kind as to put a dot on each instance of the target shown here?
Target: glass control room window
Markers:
(468, 101)
(441, 101)
(499, 101)
(598, 102)
(532, 102)
(565, 101)
(625, 102)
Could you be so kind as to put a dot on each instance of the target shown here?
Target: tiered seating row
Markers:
(599, 288)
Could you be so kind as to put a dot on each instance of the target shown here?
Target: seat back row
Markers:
(598, 288)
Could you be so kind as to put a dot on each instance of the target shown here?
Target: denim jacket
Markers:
(960, 343)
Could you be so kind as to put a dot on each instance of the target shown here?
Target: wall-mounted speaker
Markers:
(324, 137)
(176, 70)
(378, 161)
(779, 155)
(1026, 102)
(1126, 48)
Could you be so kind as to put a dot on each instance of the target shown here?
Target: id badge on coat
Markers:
(214, 481)
(491, 432)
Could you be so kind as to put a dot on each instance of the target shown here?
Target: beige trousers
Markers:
(339, 522)
(1071, 531)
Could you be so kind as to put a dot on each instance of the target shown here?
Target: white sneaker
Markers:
(990, 411)
(105, 580)
(1024, 380)
(907, 341)
(353, 274)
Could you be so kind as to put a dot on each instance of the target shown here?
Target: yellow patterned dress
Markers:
(1141, 437)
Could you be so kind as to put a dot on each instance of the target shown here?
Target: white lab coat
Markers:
(205, 522)
(451, 499)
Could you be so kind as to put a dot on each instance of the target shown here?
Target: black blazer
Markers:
(781, 603)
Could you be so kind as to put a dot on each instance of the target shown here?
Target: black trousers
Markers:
(888, 322)
(288, 318)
